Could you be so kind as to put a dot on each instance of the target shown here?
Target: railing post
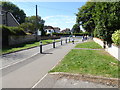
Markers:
(40, 46)
(69, 39)
(54, 43)
(73, 40)
(61, 41)
(66, 40)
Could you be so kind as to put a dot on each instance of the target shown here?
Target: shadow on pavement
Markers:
(46, 53)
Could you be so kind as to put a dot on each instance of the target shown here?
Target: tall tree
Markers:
(15, 10)
(31, 24)
(102, 18)
(76, 28)
(107, 19)
(85, 16)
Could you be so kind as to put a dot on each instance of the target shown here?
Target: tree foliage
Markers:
(31, 24)
(85, 16)
(15, 10)
(100, 18)
(76, 28)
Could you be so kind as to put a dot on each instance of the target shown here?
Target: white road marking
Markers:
(39, 81)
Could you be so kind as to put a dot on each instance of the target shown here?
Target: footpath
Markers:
(27, 73)
(33, 72)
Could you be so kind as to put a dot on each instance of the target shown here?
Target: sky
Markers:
(56, 14)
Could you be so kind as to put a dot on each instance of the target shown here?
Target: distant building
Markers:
(56, 29)
(67, 30)
(48, 29)
(8, 19)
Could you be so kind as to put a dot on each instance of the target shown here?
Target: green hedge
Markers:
(66, 34)
(7, 31)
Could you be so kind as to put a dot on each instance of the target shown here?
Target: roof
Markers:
(48, 27)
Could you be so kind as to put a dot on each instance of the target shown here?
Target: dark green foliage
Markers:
(85, 16)
(67, 34)
(30, 24)
(76, 28)
(16, 11)
(16, 31)
(100, 18)
(7, 31)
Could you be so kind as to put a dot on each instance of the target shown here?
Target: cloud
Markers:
(62, 21)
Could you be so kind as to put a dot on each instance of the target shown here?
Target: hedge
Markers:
(66, 34)
(7, 31)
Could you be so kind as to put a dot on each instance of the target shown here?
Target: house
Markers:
(67, 30)
(7, 19)
(49, 29)
(56, 29)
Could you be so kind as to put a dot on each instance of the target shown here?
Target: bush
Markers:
(7, 31)
(17, 31)
(116, 37)
(67, 34)
(61, 34)
(81, 34)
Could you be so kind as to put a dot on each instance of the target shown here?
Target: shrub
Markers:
(16, 31)
(67, 34)
(116, 37)
(7, 31)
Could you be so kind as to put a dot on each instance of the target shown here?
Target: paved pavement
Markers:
(25, 75)
(54, 81)
(12, 58)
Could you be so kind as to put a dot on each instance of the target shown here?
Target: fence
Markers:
(113, 50)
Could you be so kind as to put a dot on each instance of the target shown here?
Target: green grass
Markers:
(90, 62)
(89, 44)
(25, 46)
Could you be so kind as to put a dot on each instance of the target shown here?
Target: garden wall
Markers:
(14, 40)
(113, 50)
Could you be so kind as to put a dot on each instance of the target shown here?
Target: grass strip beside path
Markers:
(98, 63)
(89, 62)
(25, 46)
(89, 44)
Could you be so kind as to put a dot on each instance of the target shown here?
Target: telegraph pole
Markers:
(36, 23)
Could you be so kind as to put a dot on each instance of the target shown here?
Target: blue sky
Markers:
(56, 14)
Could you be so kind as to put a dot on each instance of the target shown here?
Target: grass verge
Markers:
(89, 62)
(89, 44)
(25, 46)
